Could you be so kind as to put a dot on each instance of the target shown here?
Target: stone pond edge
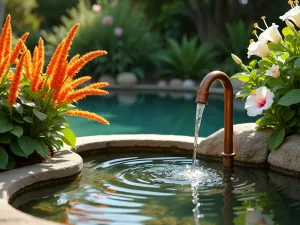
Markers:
(66, 163)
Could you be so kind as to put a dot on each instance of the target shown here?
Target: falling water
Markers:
(199, 113)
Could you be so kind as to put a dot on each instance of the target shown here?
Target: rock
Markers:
(250, 145)
(107, 78)
(287, 156)
(127, 79)
(175, 82)
(188, 83)
(162, 83)
(236, 83)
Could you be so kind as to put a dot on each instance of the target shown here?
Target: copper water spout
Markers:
(202, 97)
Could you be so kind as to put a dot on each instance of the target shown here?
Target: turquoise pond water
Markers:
(131, 113)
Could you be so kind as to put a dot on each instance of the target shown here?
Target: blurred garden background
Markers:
(153, 39)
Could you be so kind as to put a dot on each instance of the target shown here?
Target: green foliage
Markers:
(186, 59)
(279, 74)
(53, 10)
(22, 14)
(132, 51)
(235, 40)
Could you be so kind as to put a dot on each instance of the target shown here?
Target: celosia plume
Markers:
(8, 41)
(4, 65)
(79, 81)
(75, 57)
(16, 51)
(4, 36)
(28, 65)
(54, 59)
(79, 63)
(82, 93)
(97, 85)
(36, 75)
(41, 52)
(66, 47)
(24, 37)
(58, 79)
(13, 90)
(87, 115)
(63, 93)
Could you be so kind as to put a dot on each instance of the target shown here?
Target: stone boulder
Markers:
(162, 83)
(127, 79)
(175, 82)
(107, 78)
(287, 156)
(188, 83)
(250, 145)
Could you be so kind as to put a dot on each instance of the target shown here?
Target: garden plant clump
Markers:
(34, 99)
(272, 83)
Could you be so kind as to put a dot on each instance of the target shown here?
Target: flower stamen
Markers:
(253, 92)
(291, 3)
(257, 27)
(255, 33)
(264, 19)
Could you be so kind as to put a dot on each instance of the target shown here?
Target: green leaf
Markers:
(39, 115)
(5, 125)
(5, 138)
(275, 47)
(28, 119)
(3, 158)
(297, 63)
(19, 108)
(244, 78)
(25, 144)
(26, 102)
(11, 163)
(40, 148)
(290, 98)
(69, 137)
(237, 75)
(17, 131)
(15, 148)
(243, 93)
(253, 64)
(287, 31)
(276, 138)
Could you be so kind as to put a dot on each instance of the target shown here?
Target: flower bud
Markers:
(236, 59)
(289, 24)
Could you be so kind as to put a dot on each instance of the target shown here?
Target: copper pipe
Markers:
(202, 97)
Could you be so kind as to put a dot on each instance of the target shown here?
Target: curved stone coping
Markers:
(99, 142)
(64, 164)
(153, 87)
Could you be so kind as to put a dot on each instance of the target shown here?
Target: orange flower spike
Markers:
(4, 36)
(75, 57)
(79, 81)
(16, 51)
(41, 83)
(79, 63)
(63, 93)
(4, 65)
(24, 37)
(13, 90)
(58, 83)
(82, 93)
(87, 115)
(54, 59)
(8, 42)
(36, 76)
(67, 45)
(28, 65)
(41, 51)
(98, 85)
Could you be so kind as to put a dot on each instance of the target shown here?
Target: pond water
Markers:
(160, 190)
(132, 113)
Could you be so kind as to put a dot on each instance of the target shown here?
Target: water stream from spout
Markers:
(199, 113)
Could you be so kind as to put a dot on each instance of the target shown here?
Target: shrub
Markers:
(235, 41)
(186, 59)
(33, 102)
(272, 83)
(120, 29)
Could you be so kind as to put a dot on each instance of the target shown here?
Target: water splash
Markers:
(199, 113)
